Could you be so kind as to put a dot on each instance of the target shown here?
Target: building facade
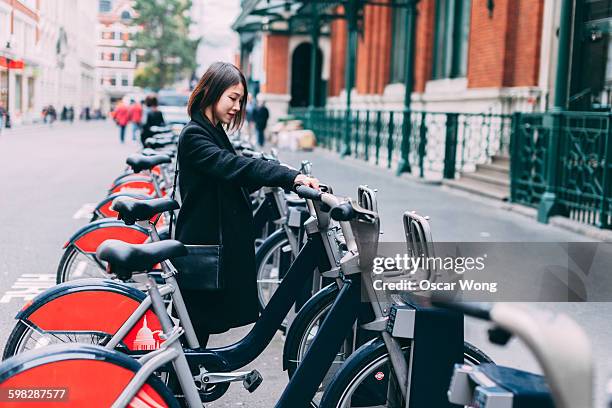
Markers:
(116, 65)
(470, 56)
(45, 57)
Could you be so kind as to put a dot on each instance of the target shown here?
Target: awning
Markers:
(13, 64)
(277, 15)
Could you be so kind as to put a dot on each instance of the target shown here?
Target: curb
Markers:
(557, 221)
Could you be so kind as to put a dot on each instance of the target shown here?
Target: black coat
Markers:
(213, 183)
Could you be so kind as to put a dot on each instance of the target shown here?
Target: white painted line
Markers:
(28, 286)
(78, 272)
(85, 211)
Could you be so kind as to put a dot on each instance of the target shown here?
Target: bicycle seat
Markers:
(131, 210)
(156, 143)
(139, 162)
(152, 152)
(124, 259)
(529, 390)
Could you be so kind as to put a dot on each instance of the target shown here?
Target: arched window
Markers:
(125, 15)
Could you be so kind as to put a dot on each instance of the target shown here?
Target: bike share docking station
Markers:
(436, 345)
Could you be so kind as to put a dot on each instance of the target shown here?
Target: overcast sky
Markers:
(212, 22)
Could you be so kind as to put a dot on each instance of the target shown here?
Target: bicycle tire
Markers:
(67, 261)
(365, 365)
(274, 242)
(71, 367)
(311, 310)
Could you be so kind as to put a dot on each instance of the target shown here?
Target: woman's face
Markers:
(229, 104)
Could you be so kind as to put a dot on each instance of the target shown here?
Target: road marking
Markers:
(28, 286)
(85, 211)
(81, 266)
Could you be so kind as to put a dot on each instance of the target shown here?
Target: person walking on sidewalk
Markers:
(154, 118)
(214, 183)
(2, 116)
(135, 118)
(261, 115)
(121, 115)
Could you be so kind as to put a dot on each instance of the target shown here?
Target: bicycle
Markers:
(314, 312)
(122, 259)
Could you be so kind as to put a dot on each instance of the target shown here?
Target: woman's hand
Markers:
(307, 181)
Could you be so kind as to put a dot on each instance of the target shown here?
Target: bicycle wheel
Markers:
(24, 338)
(75, 264)
(305, 327)
(272, 260)
(366, 379)
(88, 376)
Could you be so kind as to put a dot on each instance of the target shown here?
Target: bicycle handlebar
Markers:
(307, 192)
(342, 212)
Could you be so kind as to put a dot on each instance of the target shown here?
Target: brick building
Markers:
(470, 56)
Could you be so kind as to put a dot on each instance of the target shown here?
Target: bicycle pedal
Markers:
(252, 381)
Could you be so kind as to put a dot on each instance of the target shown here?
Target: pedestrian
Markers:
(214, 183)
(121, 115)
(260, 116)
(64, 114)
(250, 108)
(154, 118)
(2, 116)
(70, 114)
(52, 114)
(135, 118)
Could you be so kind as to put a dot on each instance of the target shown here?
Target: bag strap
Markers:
(173, 194)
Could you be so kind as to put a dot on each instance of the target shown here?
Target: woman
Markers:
(154, 118)
(214, 184)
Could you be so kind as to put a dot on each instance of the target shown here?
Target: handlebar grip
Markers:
(307, 192)
(479, 310)
(342, 212)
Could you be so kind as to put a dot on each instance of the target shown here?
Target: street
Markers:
(50, 175)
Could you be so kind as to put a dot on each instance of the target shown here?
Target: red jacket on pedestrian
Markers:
(135, 113)
(121, 114)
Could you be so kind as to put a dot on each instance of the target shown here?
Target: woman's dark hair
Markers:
(151, 100)
(217, 78)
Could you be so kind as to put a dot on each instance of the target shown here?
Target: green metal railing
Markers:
(437, 143)
(562, 163)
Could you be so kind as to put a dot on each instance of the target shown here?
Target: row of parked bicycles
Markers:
(115, 330)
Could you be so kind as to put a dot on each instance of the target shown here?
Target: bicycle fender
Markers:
(108, 304)
(88, 376)
(145, 187)
(103, 207)
(89, 237)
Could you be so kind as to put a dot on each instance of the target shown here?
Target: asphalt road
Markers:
(48, 174)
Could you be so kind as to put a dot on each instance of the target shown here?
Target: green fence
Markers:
(437, 144)
(562, 163)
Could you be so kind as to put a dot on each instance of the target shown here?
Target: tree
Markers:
(169, 54)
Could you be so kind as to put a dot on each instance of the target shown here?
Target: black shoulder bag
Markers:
(202, 267)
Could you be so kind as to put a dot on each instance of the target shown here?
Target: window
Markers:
(105, 6)
(113, 81)
(125, 36)
(451, 37)
(125, 56)
(111, 56)
(108, 35)
(30, 93)
(18, 93)
(125, 15)
(124, 81)
(398, 54)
